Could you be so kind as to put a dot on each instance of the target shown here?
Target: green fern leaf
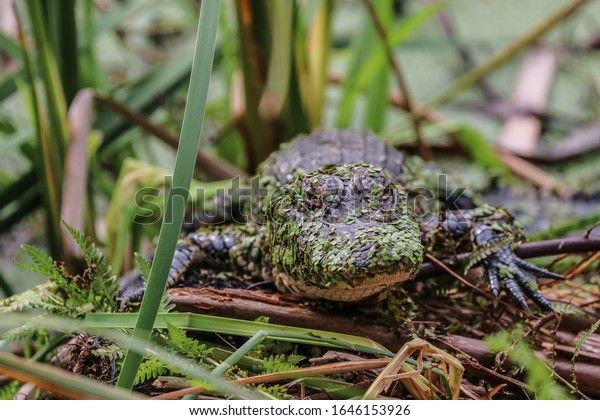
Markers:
(579, 344)
(279, 363)
(22, 332)
(43, 263)
(151, 369)
(186, 346)
(8, 391)
(112, 351)
(143, 265)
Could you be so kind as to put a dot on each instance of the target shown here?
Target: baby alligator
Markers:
(343, 216)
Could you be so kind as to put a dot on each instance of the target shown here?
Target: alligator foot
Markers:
(504, 270)
(131, 290)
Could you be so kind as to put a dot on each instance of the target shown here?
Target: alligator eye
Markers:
(324, 191)
(389, 198)
(331, 184)
(375, 191)
(367, 184)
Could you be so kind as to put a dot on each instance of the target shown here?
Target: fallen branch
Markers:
(250, 304)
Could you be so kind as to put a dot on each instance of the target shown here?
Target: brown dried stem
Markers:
(211, 165)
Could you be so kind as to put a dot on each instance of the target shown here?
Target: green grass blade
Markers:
(229, 60)
(236, 356)
(360, 47)
(479, 148)
(8, 85)
(57, 379)
(396, 37)
(278, 77)
(222, 325)
(51, 138)
(63, 31)
(318, 45)
(28, 201)
(377, 93)
(9, 47)
(184, 167)
(367, 65)
(90, 71)
(48, 69)
(14, 191)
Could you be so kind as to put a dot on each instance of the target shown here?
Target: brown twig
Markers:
(398, 73)
(331, 368)
(448, 270)
(211, 165)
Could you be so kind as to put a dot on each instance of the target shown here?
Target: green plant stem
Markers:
(424, 150)
(255, 340)
(63, 28)
(48, 347)
(52, 122)
(221, 325)
(503, 56)
(234, 358)
(184, 167)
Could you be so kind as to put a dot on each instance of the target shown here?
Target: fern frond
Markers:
(65, 294)
(165, 303)
(280, 363)
(25, 331)
(91, 254)
(43, 263)
(278, 391)
(186, 346)
(29, 299)
(151, 369)
(579, 344)
(143, 265)
(103, 286)
(8, 391)
(112, 351)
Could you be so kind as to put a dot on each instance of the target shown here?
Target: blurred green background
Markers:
(281, 68)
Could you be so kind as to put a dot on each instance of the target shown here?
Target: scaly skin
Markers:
(342, 220)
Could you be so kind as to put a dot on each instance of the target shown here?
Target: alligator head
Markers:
(342, 233)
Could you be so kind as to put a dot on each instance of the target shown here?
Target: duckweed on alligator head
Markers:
(343, 226)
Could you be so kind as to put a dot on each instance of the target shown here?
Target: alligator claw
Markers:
(504, 270)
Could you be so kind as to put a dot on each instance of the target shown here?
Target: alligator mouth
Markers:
(369, 286)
